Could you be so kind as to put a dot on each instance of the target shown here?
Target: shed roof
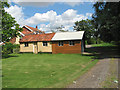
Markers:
(68, 36)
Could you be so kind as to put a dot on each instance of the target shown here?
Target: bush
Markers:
(7, 49)
(91, 41)
(16, 48)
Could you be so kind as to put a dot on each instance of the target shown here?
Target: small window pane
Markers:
(71, 43)
(26, 44)
(45, 44)
(60, 43)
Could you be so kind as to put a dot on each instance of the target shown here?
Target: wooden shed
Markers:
(68, 42)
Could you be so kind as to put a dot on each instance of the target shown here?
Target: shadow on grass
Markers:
(103, 52)
(8, 56)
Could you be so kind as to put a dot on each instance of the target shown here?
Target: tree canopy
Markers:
(107, 20)
(10, 27)
(87, 26)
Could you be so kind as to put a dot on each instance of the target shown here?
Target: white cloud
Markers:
(67, 19)
(17, 13)
(53, 20)
(69, 14)
(89, 14)
(41, 18)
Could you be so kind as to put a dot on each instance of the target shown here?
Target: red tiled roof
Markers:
(26, 32)
(37, 37)
(34, 29)
(13, 40)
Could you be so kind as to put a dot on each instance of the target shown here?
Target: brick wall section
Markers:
(66, 48)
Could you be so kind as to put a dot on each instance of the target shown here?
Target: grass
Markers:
(102, 44)
(44, 70)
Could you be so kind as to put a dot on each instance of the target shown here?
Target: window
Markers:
(60, 43)
(26, 44)
(71, 43)
(45, 44)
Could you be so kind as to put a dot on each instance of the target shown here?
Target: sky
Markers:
(50, 15)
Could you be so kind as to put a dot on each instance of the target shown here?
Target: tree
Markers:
(107, 20)
(87, 26)
(60, 28)
(9, 26)
(9, 29)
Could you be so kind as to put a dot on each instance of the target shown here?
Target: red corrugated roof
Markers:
(37, 37)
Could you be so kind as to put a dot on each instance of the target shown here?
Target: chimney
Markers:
(36, 27)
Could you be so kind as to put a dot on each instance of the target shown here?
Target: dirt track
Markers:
(100, 72)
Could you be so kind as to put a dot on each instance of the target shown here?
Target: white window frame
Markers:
(60, 43)
(71, 43)
(45, 43)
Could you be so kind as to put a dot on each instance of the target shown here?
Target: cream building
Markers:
(36, 43)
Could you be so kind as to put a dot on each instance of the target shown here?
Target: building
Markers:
(27, 30)
(68, 42)
(62, 42)
(36, 43)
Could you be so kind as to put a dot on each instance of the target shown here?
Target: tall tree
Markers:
(87, 26)
(107, 20)
(9, 26)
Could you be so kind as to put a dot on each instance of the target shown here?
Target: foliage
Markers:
(16, 48)
(107, 20)
(103, 44)
(63, 31)
(87, 26)
(44, 70)
(7, 49)
(9, 26)
(60, 29)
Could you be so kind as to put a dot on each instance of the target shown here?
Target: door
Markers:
(35, 48)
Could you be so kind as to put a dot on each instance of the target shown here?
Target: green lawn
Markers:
(44, 70)
(103, 44)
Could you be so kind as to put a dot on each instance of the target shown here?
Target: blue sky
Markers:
(48, 16)
(59, 8)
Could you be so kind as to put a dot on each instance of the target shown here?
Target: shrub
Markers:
(7, 49)
(16, 48)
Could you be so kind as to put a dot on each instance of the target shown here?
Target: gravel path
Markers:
(96, 75)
